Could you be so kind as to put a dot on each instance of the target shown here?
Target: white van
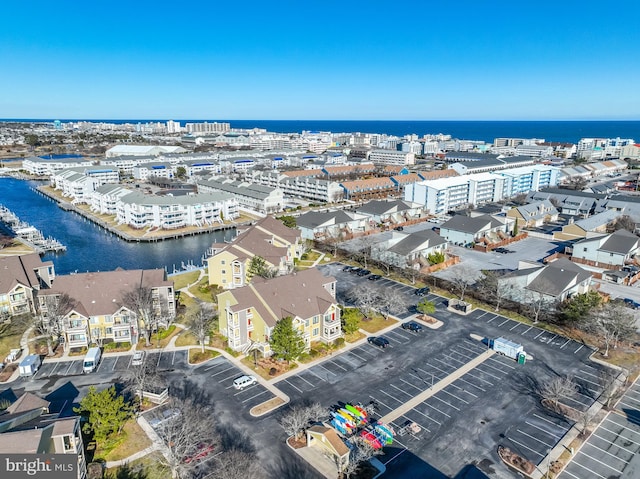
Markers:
(244, 381)
(91, 360)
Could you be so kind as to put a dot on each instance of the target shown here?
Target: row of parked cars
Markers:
(362, 272)
(383, 342)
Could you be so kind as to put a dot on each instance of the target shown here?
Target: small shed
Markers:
(327, 440)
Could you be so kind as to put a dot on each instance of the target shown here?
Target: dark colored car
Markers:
(347, 268)
(379, 341)
(631, 303)
(355, 270)
(399, 228)
(422, 291)
(501, 250)
(412, 326)
(374, 277)
(363, 272)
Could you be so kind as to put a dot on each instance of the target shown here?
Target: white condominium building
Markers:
(444, 194)
(79, 183)
(392, 157)
(42, 167)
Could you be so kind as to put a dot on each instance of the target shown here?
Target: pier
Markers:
(28, 234)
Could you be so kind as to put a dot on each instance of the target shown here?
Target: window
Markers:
(108, 331)
(316, 331)
(316, 319)
(222, 262)
(108, 319)
(224, 271)
(584, 249)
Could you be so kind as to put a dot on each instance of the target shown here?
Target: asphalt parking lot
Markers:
(612, 450)
(463, 424)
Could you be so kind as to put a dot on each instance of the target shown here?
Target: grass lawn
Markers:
(196, 356)
(148, 467)
(186, 338)
(187, 301)
(376, 323)
(353, 337)
(165, 337)
(132, 439)
(183, 279)
(10, 334)
(201, 290)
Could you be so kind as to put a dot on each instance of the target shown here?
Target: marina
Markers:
(28, 234)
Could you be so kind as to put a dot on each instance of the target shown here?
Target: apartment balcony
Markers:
(77, 342)
(71, 327)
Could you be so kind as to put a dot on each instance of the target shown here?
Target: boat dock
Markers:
(28, 234)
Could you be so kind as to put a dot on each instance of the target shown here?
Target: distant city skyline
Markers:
(406, 60)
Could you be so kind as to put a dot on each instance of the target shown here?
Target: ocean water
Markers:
(562, 131)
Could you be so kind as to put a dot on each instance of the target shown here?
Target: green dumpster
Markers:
(522, 358)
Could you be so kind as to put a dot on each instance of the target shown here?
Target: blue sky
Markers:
(367, 60)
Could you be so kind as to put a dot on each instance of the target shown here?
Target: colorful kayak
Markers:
(343, 420)
(356, 413)
(361, 409)
(371, 439)
(347, 415)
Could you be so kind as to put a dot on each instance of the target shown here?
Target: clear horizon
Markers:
(464, 61)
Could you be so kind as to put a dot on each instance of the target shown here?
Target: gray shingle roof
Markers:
(378, 207)
(621, 242)
(313, 219)
(557, 277)
(468, 224)
(415, 240)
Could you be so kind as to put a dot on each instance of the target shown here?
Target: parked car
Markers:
(399, 228)
(244, 381)
(163, 417)
(631, 303)
(422, 291)
(501, 250)
(347, 269)
(412, 326)
(138, 358)
(379, 341)
(363, 272)
(355, 270)
(202, 451)
(374, 277)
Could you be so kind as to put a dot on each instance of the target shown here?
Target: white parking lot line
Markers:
(114, 365)
(311, 371)
(309, 383)
(494, 317)
(517, 324)
(421, 426)
(235, 375)
(544, 443)
(587, 380)
(540, 334)
(387, 394)
(69, 368)
(591, 444)
(359, 357)
(552, 338)
(380, 402)
(446, 364)
(496, 359)
(609, 441)
(212, 366)
(489, 366)
(294, 387)
(567, 472)
(575, 461)
(619, 433)
(525, 332)
(255, 396)
(248, 388)
(486, 312)
(451, 358)
(555, 436)
(435, 408)
(463, 390)
(522, 445)
(413, 386)
(434, 375)
(600, 462)
(453, 395)
(471, 384)
(546, 420)
(481, 379)
(54, 368)
(567, 342)
(505, 321)
(428, 417)
(335, 364)
(582, 371)
(581, 346)
(401, 390)
(220, 372)
(321, 366)
(448, 404)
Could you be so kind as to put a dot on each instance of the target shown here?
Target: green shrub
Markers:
(436, 258)
(163, 333)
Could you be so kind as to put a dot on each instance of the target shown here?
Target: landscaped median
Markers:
(267, 406)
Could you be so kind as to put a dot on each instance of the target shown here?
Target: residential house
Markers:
(270, 239)
(21, 277)
(360, 190)
(556, 281)
(534, 214)
(464, 230)
(408, 249)
(251, 196)
(330, 225)
(247, 315)
(568, 202)
(391, 212)
(576, 230)
(99, 314)
(611, 251)
(327, 441)
(28, 427)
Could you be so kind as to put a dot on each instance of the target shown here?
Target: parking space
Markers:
(59, 368)
(220, 373)
(611, 451)
(168, 360)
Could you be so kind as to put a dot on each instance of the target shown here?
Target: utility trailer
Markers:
(510, 349)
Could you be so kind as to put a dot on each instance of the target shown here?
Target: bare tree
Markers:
(143, 377)
(55, 308)
(295, 420)
(333, 238)
(461, 278)
(360, 452)
(188, 430)
(389, 302)
(535, 303)
(366, 242)
(611, 322)
(200, 321)
(317, 412)
(364, 297)
(558, 388)
(493, 289)
(611, 389)
(585, 419)
(140, 301)
(236, 464)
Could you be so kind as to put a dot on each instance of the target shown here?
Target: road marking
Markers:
(503, 322)
(522, 445)
(589, 443)
(255, 396)
(434, 367)
(294, 387)
(442, 400)
(220, 372)
(622, 426)
(407, 382)
(416, 422)
(433, 407)
(608, 441)
(494, 317)
(453, 395)
(320, 378)
(212, 366)
(69, 368)
(497, 360)
(428, 417)
(486, 312)
(463, 390)
(380, 402)
(471, 384)
(245, 389)
(359, 357)
(600, 462)
(234, 375)
(517, 324)
(386, 393)
(401, 390)
(54, 368)
(552, 338)
(540, 333)
(567, 472)
(451, 358)
(300, 377)
(401, 452)
(330, 372)
(547, 420)
(582, 371)
(568, 341)
(581, 346)
(335, 364)
(446, 364)
(587, 468)
(114, 365)
(173, 359)
(578, 377)
(530, 327)
(478, 377)
(555, 436)
(535, 438)
(489, 374)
